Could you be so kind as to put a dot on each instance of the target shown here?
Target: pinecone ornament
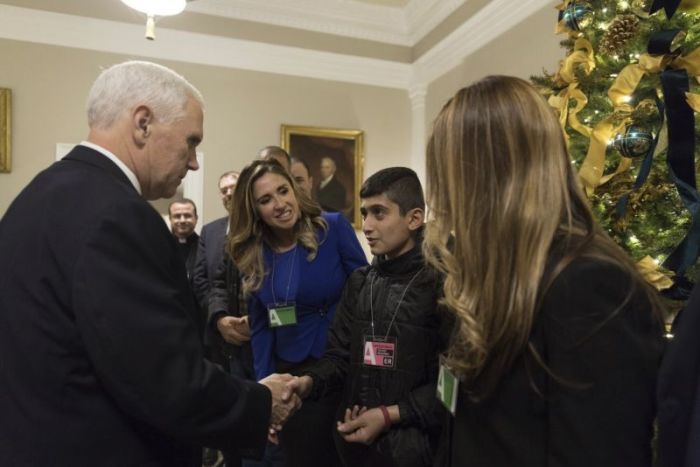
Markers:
(621, 30)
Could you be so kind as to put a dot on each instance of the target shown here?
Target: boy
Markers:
(387, 334)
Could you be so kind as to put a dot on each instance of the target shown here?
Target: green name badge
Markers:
(282, 314)
(447, 386)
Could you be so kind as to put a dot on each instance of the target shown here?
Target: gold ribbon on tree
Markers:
(582, 56)
(628, 79)
(591, 171)
(630, 76)
(649, 269)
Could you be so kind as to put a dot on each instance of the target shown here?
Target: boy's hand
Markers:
(361, 425)
(301, 385)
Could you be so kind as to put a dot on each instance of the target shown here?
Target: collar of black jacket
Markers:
(408, 262)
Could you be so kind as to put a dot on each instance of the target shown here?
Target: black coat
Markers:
(210, 254)
(100, 361)
(225, 298)
(421, 330)
(599, 411)
(678, 391)
(188, 253)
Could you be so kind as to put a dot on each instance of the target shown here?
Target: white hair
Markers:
(126, 85)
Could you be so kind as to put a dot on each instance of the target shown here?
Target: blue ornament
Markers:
(634, 142)
(576, 16)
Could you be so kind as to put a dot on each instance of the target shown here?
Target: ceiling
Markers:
(399, 22)
(401, 44)
(394, 3)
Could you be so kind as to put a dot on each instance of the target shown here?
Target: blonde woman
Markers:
(294, 261)
(558, 337)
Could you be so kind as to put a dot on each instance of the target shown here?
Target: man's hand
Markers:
(301, 385)
(233, 329)
(364, 426)
(284, 401)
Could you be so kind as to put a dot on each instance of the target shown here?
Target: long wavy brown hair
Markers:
(248, 232)
(501, 183)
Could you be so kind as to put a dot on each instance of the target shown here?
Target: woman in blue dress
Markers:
(294, 261)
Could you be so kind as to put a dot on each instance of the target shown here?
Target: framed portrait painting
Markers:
(334, 159)
(5, 130)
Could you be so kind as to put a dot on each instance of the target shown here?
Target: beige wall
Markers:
(244, 111)
(523, 51)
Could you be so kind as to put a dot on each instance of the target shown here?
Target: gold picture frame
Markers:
(5, 130)
(345, 148)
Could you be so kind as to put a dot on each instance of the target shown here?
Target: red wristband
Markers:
(387, 420)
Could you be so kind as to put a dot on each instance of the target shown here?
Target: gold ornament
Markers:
(621, 30)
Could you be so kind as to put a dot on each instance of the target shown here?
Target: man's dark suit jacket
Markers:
(678, 391)
(210, 254)
(100, 361)
(332, 196)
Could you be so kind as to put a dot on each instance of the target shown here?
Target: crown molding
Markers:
(29, 25)
(422, 16)
(393, 25)
(44, 27)
(339, 17)
(487, 24)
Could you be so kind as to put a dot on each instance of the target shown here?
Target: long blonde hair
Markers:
(248, 232)
(500, 182)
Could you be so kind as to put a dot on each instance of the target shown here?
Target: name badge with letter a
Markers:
(380, 352)
(282, 314)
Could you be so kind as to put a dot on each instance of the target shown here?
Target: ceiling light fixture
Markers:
(153, 8)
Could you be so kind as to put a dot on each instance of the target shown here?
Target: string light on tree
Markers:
(613, 107)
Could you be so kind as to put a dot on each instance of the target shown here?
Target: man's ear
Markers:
(416, 217)
(141, 121)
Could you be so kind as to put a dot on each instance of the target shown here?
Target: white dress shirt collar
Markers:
(127, 171)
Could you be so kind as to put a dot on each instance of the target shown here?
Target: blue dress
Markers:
(315, 287)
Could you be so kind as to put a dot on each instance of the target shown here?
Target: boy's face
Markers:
(387, 231)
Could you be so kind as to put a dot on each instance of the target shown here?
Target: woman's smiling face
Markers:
(275, 202)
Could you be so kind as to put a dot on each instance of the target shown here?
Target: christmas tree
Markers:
(626, 94)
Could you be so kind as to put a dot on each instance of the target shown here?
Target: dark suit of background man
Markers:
(210, 252)
(331, 193)
(100, 361)
(210, 255)
(183, 219)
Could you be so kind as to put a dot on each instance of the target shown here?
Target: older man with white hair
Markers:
(100, 360)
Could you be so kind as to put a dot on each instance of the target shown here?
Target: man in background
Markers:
(278, 154)
(210, 251)
(302, 175)
(183, 219)
(210, 256)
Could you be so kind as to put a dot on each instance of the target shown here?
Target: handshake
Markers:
(360, 424)
(287, 393)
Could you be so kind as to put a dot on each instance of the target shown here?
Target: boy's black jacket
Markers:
(421, 330)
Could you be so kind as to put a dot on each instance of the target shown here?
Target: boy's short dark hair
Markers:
(399, 184)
